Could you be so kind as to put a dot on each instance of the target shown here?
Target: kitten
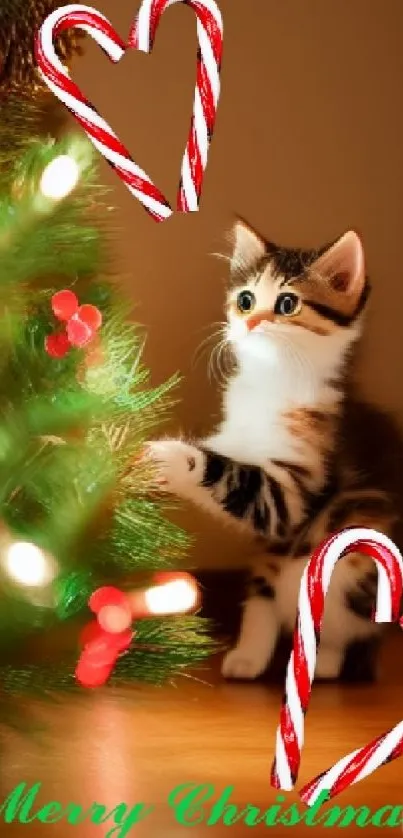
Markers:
(289, 459)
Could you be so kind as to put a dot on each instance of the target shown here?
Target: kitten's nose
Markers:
(258, 318)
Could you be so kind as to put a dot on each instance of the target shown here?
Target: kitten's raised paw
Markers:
(242, 664)
(178, 464)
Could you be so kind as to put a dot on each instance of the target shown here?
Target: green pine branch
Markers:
(72, 431)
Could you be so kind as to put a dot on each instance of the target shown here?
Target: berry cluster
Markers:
(81, 324)
(106, 638)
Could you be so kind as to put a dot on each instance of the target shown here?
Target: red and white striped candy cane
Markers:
(57, 78)
(356, 766)
(207, 90)
(301, 667)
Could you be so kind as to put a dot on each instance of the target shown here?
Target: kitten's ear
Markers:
(248, 246)
(343, 267)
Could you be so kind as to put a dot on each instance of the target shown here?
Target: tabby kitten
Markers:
(288, 460)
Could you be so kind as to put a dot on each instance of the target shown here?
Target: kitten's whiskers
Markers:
(204, 344)
(220, 353)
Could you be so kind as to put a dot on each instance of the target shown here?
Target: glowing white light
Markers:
(174, 597)
(59, 177)
(28, 565)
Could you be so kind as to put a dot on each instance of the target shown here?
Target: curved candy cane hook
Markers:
(142, 34)
(301, 666)
(57, 78)
(207, 90)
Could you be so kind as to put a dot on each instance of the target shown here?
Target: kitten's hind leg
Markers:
(258, 635)
(256, 642)
(347, 622)
(359, 583)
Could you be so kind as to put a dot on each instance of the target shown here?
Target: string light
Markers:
(28, 565)
(175, 597)
(175, 593)
(60, 177)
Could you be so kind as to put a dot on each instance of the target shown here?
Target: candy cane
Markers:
(301, 667)
(356, 766)
(56, 77)
(207, 90)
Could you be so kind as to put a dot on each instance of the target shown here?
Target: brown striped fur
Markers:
(297, 455)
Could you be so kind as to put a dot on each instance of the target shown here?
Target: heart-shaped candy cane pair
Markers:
(301, 667)
(142, 34)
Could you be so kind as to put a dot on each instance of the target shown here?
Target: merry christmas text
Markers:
(190, 804)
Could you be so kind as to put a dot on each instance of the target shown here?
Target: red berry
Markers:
(124, 640)
(79, 334)
(100, 646)
(102, 651)
(90, 315)
(57, 345)
(120, 642)
(91, 632)
(64, 304)
(115, 619)
(108, 595)
(90, 675)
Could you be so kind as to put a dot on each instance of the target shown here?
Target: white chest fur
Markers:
(266, 386)
(275, 376)
(254, 429)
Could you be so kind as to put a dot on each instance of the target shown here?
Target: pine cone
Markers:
(19, 21)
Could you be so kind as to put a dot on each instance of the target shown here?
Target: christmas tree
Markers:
(77, 511)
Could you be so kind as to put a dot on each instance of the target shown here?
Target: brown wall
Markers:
(308, 142)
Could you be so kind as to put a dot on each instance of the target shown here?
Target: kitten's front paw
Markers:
(243, 664)
(178, 465)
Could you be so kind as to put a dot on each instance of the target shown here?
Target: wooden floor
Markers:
(139, 747)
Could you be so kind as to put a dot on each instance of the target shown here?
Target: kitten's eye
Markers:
(288, 305)
(245, 301)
